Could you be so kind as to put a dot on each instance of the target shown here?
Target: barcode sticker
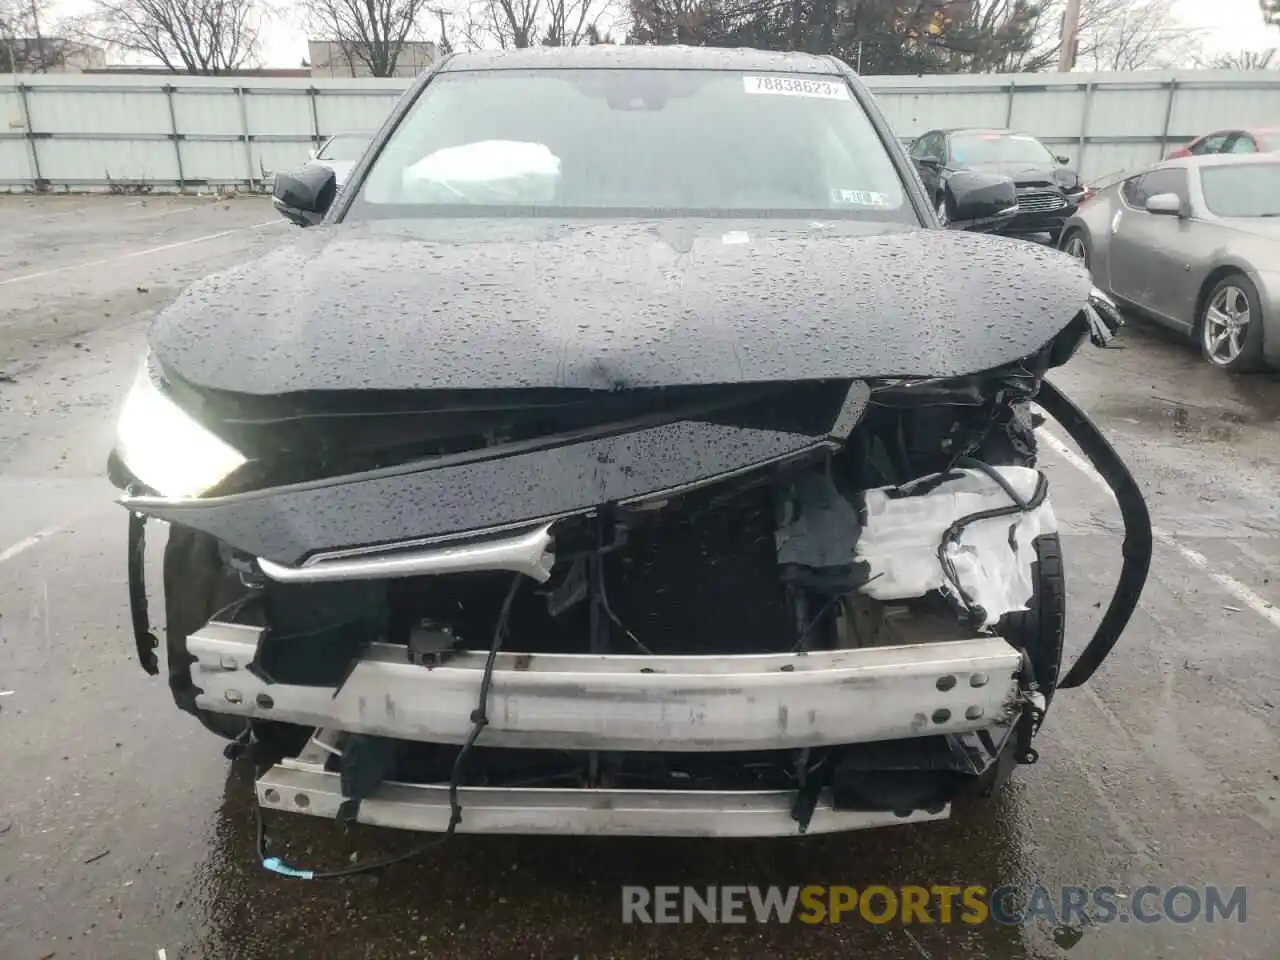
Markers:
(800, 86)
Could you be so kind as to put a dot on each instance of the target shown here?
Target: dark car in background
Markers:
(1250, 140)
(1048, 189)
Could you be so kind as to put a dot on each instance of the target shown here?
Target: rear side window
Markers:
(1132, 192)
(1138, 190)
(1210, 144)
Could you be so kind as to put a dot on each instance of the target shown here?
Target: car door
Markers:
(1145, 261)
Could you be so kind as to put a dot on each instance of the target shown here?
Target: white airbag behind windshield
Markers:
(489, 172)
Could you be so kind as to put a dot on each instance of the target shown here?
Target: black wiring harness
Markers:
(479, 720)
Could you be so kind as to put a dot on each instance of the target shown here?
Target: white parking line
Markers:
(1253, 601)
(143, 253)
(10, 552)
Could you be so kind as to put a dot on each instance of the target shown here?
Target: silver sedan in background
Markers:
(1194, 243)
(340, 152)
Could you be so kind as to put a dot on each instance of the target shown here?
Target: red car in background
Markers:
(1258, 140)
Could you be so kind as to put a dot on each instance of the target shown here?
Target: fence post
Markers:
(242, 96)
(1083, 144)
(30, 136)
(315, 116)
(175, 136)
(1168, 117)
(1008, 107)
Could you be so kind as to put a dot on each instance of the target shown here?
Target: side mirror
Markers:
(933, 163)
(981, 202)
(304, 196)
(1165, 205)
(1063, 161)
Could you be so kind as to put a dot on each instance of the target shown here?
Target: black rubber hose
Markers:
(145, 641)
(1137, 547)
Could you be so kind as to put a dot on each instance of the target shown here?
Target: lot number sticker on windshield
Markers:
(797, 87)
(859, 198)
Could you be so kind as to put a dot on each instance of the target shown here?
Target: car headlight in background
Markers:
(1080, 194)
(166, 448)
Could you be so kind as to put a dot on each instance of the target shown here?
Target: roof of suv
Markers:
(641, 57)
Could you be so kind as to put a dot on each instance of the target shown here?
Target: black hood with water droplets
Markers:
(478, 304)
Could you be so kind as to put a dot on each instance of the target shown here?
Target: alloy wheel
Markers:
(1226, 323)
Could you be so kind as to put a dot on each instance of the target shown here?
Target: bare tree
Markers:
(1247, 60)
(23, 46)
(1113, 35)
(527, 23)
(1125, 36)
(371, 33)
(571, 23)
(512, 23)
(187, 36)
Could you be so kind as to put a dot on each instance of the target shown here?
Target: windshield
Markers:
(634, 143)
(971, 148)
(1242, 189)
(343, 147)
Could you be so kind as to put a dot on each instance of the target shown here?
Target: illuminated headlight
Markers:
(167, 449)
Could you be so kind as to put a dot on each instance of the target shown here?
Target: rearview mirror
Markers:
(1062, 160)
(303, 196)
(1165, 204)
(981, 202)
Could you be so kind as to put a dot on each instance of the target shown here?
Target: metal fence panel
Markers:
(169, 131)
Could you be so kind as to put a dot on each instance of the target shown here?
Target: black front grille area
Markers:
(1040, 201)
(697, 577)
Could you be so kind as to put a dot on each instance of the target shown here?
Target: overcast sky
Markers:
(1225, 26)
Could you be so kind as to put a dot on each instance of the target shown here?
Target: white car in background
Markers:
(340, 152)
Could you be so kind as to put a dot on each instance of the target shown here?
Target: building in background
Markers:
(339, 58)
(48, 55)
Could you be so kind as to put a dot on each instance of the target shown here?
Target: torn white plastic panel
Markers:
(992, 557)
(491, 171)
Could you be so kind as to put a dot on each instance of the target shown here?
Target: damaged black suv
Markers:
(624, 449)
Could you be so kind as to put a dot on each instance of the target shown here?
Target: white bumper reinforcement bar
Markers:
(590, 702)
(653, 813)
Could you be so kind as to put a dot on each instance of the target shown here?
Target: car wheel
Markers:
(943, 212)
(1230, 325)
(1074, 244)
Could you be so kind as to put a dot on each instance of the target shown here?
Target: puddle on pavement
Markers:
(1216, 420)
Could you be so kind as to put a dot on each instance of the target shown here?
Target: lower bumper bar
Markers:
(646, 813)
(632, 702)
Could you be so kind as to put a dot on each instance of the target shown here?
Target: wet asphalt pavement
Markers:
(124, 832)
